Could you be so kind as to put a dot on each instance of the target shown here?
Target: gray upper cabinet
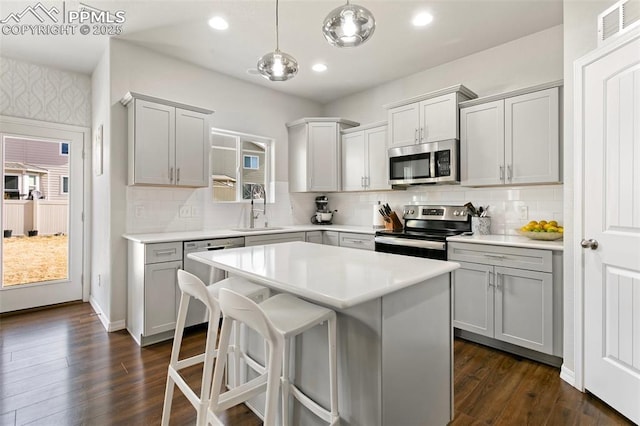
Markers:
(511, 141)
(168, 142)
(426, 118)
(364, 158)
(315, 154)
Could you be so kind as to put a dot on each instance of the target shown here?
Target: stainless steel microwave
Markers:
(434, 162)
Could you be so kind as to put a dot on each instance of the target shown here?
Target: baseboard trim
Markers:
(568, 375)
(108, 325)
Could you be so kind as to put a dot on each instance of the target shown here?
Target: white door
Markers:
(192, 148)
(155, 139)
(377, 159)
(56, 210)
(482, 144)
(353, 159)
(404, 123)
(439, 118)
(323, 156)
(608, 129)
(532, 132)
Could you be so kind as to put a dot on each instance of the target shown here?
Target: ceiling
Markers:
(179, 28)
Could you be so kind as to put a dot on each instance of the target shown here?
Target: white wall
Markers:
(524, 62)
(580, 37)
(100, 190)
(239, 106)
(42, 93)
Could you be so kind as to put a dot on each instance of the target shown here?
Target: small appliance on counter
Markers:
(323, 215)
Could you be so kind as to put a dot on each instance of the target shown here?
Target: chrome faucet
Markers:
(261, 191)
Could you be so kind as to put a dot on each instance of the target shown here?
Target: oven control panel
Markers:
(457, 213)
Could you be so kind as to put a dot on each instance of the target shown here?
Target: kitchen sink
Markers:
(270, 228)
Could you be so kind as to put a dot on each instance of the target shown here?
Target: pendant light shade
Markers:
(277, 65)
(348, 26)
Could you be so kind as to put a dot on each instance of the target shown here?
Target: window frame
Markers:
(269, 162)
(62, 191)
(12, 191)
(250, 157)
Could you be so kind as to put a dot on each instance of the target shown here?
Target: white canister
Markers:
(481, 225)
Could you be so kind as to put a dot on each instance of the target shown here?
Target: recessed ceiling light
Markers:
(218, 23)
(422, 19)
(319, 67)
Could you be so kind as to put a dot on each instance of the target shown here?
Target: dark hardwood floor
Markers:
(58, 366)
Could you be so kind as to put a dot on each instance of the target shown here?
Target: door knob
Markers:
(592, 244)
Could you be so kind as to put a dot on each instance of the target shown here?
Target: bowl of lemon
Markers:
(542, 230)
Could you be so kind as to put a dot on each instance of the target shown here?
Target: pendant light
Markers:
(277, 65)
(348, 26)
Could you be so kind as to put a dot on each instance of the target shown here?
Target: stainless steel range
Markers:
(425, 233)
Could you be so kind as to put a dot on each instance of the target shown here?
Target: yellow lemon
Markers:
(551, 229)
(542, 223)
(553, 223)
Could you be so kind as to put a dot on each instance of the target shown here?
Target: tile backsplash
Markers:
(169, 209)
(509, 207)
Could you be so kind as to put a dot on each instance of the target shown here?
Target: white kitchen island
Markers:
(394, 328)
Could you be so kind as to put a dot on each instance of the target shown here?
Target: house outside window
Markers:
(64, 148)
(251, 162)
(11, 187)
(64, 184)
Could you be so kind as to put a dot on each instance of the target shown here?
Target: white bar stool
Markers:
(192, 286)
(278, 319)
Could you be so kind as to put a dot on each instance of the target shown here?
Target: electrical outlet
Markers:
(184, 211)
(195, 211)
(99, 280)
(140, 211)
(524, 213)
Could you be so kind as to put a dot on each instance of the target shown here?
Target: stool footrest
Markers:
(253, 364)
(242, 393)
(313, 406)
(189, 362)
(184, 387)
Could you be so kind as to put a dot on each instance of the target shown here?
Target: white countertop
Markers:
(334, 276)
(508, 240)
(166, 237)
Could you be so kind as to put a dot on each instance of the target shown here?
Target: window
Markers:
(251, 162)
(240, 161)
(64, 184)
(11, 187)
(64, 148)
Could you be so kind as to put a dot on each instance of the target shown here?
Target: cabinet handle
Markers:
(421, 134)
(509, 173)
(501, 173)
(178, 175)
(164, 252)
(367, 183)
(488, 278)
(170, 174)
(362, 181)
(495, 256)
(498, 275)
(415, 136)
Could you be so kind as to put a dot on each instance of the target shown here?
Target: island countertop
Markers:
(338, 277)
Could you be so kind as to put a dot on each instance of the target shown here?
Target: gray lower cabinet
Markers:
(152, 303)
(509, 294)
(331, 238)
(313, 237)
(259, 240)
(357, 241)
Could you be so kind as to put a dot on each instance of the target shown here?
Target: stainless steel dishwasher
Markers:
(197, 313)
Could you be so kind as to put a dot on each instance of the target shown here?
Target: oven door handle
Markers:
(407, 242)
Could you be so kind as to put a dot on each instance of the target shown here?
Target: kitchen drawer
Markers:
(358, 241)
(511, 257)
(259, 240)
(162, 252)
(331, 238)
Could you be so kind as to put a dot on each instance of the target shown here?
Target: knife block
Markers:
(395, 224)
